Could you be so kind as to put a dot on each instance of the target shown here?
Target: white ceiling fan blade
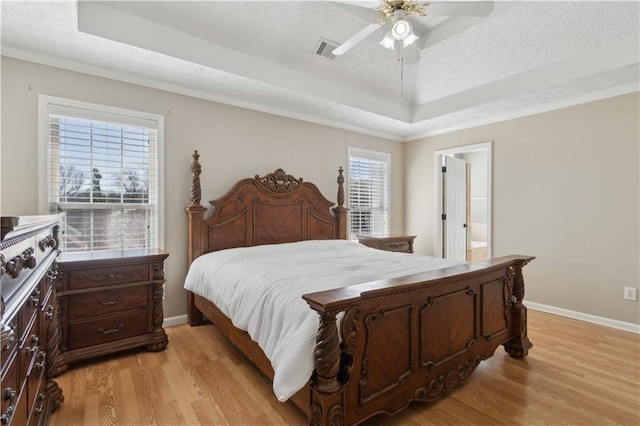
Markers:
(357, 38)
(365, 13)
(461, 8)
(364, 3)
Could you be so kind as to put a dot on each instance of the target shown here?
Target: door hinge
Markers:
(444, 216)
(444, 169)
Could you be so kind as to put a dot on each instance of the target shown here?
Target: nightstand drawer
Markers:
(397, 243)
(108, 329)
(95, 277)
(402, 246)
(103, 302)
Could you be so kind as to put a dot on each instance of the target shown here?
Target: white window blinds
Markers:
(103, 172)
(368, 189)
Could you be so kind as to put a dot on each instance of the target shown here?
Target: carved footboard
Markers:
(413, 338)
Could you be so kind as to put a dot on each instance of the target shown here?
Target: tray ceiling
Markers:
(523, 58)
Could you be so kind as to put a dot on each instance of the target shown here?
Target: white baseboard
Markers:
(180, 319)
(607, 322)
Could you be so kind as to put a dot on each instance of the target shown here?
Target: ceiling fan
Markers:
(401, 34)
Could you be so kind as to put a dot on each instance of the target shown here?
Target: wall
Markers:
(234, 143)
(566, 190)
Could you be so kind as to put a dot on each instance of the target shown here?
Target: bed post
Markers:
(195, 212)
(327, 405)
(518, 346)
(340, 212)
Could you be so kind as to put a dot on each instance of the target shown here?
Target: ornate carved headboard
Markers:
(275, 208)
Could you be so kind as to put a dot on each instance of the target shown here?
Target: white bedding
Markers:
(260, 289)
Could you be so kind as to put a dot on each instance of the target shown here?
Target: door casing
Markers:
(438, 158)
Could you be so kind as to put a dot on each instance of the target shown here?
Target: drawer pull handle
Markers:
(111, 330)
(42, 357)
(10, 394)
(111, 302)
(39, 410)
(49, 313)
(10, 342)
(6, 417)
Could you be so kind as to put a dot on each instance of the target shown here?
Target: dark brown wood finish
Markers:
(400, 340)
(392, 242)
(109, 302)
(28, 319)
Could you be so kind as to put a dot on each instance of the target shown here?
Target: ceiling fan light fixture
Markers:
(388, 41)
(411, 38)
(401, 29)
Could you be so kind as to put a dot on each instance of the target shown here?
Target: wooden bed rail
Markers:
(446, 320)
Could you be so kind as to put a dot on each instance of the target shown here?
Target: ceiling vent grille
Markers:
(325, 47)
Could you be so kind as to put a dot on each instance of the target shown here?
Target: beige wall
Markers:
(565, 183)
(234, 143)
(566, 190)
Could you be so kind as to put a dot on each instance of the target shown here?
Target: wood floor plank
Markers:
(577, 373)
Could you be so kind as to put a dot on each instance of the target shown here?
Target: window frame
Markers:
(374, 156)
(92, 111)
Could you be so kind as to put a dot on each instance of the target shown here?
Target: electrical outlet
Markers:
(164, 291)
(630, 293)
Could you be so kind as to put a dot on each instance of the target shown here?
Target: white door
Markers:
(455, 208)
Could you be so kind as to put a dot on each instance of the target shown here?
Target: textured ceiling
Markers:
(523, 58)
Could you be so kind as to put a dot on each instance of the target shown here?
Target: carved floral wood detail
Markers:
(350, 331)
(100, 276)
(279, 181)
(447, 382)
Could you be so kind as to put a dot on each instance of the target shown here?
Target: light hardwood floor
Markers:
(576, 373)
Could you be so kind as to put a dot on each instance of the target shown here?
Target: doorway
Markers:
(463, 202)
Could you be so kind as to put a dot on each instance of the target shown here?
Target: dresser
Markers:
(109, 302)
(391, 242)
(28, 319)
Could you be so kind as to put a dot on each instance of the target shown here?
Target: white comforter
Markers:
(260, 289)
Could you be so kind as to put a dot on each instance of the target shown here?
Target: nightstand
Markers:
(109, 302)
(391, 242)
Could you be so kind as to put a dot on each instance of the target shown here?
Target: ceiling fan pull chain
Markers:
(401, 59)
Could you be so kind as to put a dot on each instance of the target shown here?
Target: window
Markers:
(368, 189)
(103, 171)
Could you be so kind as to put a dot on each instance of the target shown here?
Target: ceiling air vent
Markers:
(325, 47)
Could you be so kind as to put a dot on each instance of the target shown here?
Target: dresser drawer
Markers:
(103, 302)
(107, 329)
(95, 277)
(29, 349)
(29, 309)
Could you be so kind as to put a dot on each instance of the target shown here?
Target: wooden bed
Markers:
(400, 340)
